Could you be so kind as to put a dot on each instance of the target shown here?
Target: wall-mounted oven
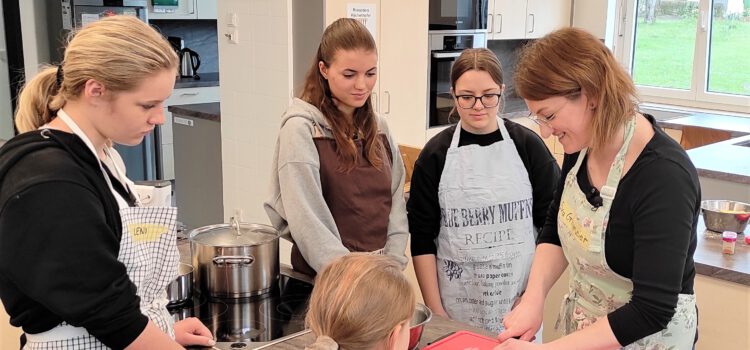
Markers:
(444, 50)
(458, 15)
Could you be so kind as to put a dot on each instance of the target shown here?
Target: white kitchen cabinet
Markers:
(188, 9)
(183, 96)
(401, 92)
(597, 17)
(514, 19)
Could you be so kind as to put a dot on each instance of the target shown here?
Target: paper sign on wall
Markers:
(87, 18)
(364, 13)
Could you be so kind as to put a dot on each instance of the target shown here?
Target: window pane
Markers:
(665, 43)
(729, 64)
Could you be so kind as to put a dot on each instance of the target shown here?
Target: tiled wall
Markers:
(199, 36)
(255, 90)
(507, 52)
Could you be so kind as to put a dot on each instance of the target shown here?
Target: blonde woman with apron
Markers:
(624, 219)
(82, 264)
(147, 249)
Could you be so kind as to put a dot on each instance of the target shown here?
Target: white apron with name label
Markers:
(148, 251)
(486, 241)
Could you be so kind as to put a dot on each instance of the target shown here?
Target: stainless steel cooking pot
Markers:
(235, 260)
(181, 289)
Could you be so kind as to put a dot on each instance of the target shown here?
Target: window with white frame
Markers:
(688, 52)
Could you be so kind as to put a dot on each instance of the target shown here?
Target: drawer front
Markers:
(193, 95)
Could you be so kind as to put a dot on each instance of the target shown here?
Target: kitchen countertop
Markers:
(724, 160)
(206, 79)
(709, 260)
(738, 126)
(436, 328)
(209, 111)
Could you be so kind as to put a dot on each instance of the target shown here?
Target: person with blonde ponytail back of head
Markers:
(361, 302)
(76, 269)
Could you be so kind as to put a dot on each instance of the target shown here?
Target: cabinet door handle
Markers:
(388, 101)
(375, 101)
(531, 15)
(492, 23)
(500, 27)
(184, 94)
(182, 121)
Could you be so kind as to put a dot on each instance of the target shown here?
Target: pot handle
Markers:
(233, 260)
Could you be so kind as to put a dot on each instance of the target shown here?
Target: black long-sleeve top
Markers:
(424, 207)
(651, 234)
(60, 233)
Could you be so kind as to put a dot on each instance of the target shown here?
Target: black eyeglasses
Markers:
(468, 101)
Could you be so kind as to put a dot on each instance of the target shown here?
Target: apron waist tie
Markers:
(61, 332)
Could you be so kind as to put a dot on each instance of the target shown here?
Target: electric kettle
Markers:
(189, 63)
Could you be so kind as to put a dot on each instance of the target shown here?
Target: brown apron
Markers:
(359, 201)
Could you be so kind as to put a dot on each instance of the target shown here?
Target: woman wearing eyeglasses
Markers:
(478, 192)
(625, 213)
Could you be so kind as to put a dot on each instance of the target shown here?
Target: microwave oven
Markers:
(463, 15)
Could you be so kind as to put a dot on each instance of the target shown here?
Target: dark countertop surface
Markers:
(710, 261)
(209, 111)
(719, 160)
(724, 160)
(206, 79)
(738, 126)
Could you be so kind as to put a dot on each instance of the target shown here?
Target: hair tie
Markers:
(59, 76)
(323, 342)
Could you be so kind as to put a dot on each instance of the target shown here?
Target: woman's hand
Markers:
(515, 344)
(438, 310)
(524, 320)
(191, 331)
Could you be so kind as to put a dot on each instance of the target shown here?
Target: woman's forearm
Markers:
(598, 336)
(425, 267)
(549, 263)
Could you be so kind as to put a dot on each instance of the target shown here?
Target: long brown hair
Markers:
(570, 60)
(344, 34)
(358, 299)
(118, 51)
(480, 59)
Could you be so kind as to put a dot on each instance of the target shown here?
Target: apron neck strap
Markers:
(78, 132)
(500, 126)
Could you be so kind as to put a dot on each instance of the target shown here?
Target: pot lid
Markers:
(228, 235)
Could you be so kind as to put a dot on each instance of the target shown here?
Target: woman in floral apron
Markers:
(479, 191)
(624, 217)
(82, 264)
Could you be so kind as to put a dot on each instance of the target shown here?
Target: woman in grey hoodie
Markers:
(338, 184)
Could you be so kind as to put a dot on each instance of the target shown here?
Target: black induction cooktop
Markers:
(250, 322)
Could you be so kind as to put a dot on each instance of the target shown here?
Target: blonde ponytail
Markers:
(38, 100)
(323, 342)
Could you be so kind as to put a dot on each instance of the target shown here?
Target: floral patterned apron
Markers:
(594, 289)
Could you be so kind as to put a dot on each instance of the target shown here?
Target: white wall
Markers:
(34, 35)
(256, 85)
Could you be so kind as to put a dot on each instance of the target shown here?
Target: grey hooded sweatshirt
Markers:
(297, 206)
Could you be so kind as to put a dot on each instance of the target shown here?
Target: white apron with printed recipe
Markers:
(486, 241)
(594, 289)
(148, 251)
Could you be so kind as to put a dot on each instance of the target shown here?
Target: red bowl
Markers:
(422, 315)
